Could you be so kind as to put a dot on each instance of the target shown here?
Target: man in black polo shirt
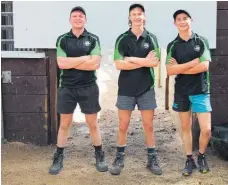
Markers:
(136, 53)
(78, 56)
(188, 57)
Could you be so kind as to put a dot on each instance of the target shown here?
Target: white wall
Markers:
(38, 24)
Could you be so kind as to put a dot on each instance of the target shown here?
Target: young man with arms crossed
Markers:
(136, 53)
(188, 57)
(78, 56)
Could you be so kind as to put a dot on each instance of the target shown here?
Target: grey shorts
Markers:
(144, 102)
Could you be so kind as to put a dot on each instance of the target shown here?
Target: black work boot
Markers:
(57, 164)
(153, 165)
(101, 165)
(202, 162)
(189, 166)
(118, 164)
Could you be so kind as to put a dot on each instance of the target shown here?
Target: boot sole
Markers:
(186, 174)
(103, 170)
(55, 173)
(115, 173)
(204, 171)
(155, 173)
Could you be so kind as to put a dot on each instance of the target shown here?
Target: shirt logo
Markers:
(145, 45)
(197, 48)
(87, 43)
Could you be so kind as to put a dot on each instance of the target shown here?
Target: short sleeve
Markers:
(96, 50)
(119, 49)
(169, 53)
(169, 50)
(60, 47)
(156, 46)
(206, 54)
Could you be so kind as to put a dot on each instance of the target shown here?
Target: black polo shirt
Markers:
(185, 51)
(135, 82)
(68, 45)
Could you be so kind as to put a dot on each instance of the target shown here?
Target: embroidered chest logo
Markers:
(197, 48)
(145, 45)
(87, 43)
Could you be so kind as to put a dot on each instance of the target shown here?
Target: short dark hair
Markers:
(180, 12)
(78, 8)
(133, 6)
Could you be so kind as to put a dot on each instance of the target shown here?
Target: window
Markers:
(7, 28)
(7, 41)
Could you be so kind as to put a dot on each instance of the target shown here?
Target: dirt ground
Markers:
(26, 164)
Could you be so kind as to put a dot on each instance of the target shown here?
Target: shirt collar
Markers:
(85, 33)
(144, 33)
(181, 40)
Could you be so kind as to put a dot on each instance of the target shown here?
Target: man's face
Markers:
(137, 17)
(77, 19)
(183, 22)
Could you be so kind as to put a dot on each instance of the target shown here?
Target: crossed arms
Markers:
(130, 63)
(173, 68)
(88, 63)
(191, 67)
(195, 66)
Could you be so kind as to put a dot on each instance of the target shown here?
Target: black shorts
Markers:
(86, 97)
